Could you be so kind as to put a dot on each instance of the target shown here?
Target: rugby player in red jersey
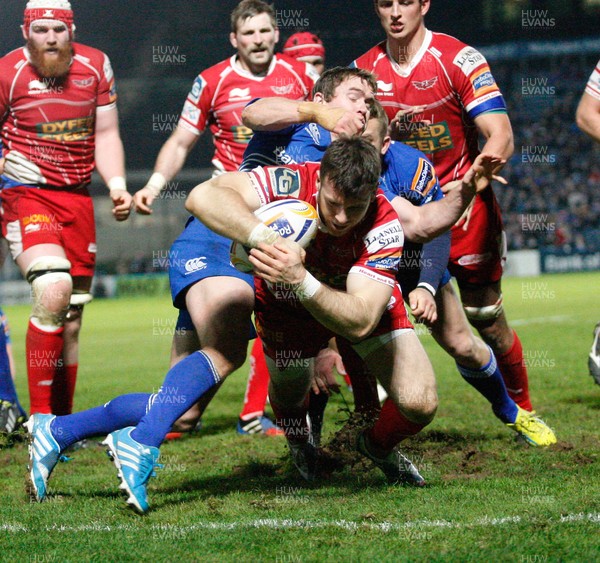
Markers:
(441, 96)
(59, 120)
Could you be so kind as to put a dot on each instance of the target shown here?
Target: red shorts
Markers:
(32, 216)
(293, 333)
(477, 255)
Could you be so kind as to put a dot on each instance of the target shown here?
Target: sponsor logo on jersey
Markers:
(430, 139)
(468, 59)
(190, 113)
(384, 262)
(314, 132)
(283, 90)
(285, 182)
(238, 94)
(84, 83)
(424, 179)
(389, 234)
(197, 88)
(195, 265)
(66, 130)
(425, 84)
(483, 81)
(472, 259)
(384, 88)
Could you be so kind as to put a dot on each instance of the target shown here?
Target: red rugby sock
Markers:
(514, 373)
(391, 428)
(44, 362)
(257, 387)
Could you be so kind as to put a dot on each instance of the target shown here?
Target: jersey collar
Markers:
(405, 71)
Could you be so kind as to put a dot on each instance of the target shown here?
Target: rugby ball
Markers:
(291, 218)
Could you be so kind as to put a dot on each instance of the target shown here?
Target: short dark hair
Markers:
(250, 8)
(353, 166)
(333, 77)
(378, 113)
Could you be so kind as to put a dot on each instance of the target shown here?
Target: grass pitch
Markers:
(222, 497)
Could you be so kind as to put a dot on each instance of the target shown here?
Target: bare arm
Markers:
(353, 313)
(110, 160)
(225, 204)
(170, 161)
(588, 116)
(424, 223)
(273, 114)
(497, 130)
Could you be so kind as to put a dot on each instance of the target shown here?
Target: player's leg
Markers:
(220, 308)
(252, 419)
(594, 356)
(484, 310)
(474, 359)
(47, 269)
(63, 389)
(400, 363)
(10, 414)
(288, 392)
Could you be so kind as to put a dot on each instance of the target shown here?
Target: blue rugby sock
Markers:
(488, 381)
(125, 410)
(184, 384)
(7, 385)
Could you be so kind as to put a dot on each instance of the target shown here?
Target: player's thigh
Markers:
(27, 257)
(221, 309)
(403, 368)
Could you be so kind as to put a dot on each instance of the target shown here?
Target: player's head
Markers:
(376, 131)
(401, 19)
(48, 29)
(348, 180)
(306, 47)
(350, 88)
(254, 34)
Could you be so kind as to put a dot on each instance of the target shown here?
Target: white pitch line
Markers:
(287, 524)
(541, 320)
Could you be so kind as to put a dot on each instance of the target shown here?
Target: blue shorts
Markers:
(196, 254)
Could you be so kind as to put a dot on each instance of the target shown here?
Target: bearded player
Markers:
(440, 96)
(59, 119)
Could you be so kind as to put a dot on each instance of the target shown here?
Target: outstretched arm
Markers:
(274, 114)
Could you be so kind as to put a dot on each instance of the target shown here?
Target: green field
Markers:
(222, 497)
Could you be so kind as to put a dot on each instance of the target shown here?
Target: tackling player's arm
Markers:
(110, 160)
(170, 161)
(588, 116)
(353, 313)
(424, 223)
(274, 114)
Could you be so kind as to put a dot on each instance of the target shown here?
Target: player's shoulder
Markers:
(91, 54)
(401, 153)
(370, 58)
(14, 58)
(215, 71)
(456, 54)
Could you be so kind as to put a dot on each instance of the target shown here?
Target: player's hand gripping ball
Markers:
(291, 218)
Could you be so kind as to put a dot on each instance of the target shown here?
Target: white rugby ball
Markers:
(291, 218)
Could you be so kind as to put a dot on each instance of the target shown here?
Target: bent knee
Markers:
(419, 405)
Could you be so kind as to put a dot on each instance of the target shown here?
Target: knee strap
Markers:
(489, 312)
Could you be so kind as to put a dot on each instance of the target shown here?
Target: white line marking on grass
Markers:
(541, 320)
(276, 524)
